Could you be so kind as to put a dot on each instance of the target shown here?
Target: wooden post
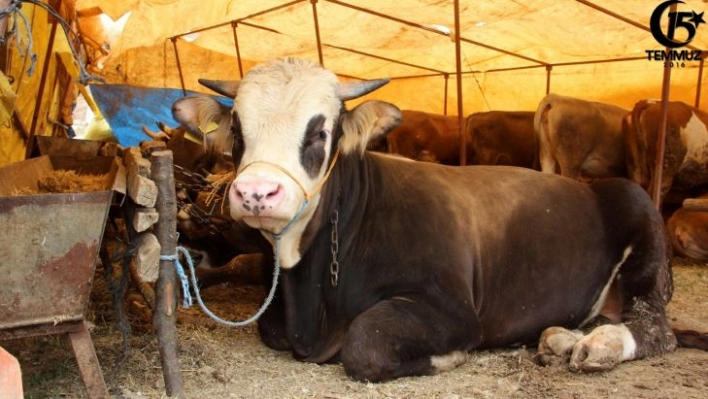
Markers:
(167, 289)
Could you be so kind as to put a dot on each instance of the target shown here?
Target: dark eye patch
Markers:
(312, 150)
(238, 146)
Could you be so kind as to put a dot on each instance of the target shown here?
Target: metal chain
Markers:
(194, 181)
(334, 266)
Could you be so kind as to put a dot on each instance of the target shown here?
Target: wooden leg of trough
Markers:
(166, 289)
(88, 363)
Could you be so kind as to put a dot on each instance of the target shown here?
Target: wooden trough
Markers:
(50, 247)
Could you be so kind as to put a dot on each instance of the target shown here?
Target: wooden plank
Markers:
(144, 218)
(167, 289)
(696, 204)
(147, 258)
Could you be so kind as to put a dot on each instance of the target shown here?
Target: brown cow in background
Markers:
(502, 138)
(686, 152)
(687, 229)
(493, 138)
(580, 139)
(423, 136)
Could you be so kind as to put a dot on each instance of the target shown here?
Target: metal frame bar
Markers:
(698, 85)
(540, 63)
(317, 31)
(234, 27)
(458, 67)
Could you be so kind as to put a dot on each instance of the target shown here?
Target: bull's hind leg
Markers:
(644, 284)
(406, 337)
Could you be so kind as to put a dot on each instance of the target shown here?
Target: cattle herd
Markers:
(580, 139)
(398, 267)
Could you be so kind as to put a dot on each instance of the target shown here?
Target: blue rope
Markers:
(187, 297)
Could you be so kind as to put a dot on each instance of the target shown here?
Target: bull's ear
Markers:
(227, 88)
(202, 116)
(366, 122)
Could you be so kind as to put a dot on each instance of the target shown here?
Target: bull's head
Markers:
(287, 125)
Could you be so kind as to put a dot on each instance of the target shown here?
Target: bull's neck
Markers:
(346, 187)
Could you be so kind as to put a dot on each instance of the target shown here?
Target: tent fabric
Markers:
(128, 108)
(595, 49)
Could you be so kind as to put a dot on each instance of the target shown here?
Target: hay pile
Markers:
(66, 181)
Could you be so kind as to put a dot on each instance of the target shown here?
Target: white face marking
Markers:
(285, 115)
(275, 104)
(603, 295)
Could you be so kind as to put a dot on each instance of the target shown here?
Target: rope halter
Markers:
(308, 196)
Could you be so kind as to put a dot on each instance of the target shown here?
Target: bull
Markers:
(398, 268)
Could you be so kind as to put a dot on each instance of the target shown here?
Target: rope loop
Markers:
(187, 298)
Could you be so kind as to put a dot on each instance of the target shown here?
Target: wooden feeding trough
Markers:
(63, 146)
(50, 246)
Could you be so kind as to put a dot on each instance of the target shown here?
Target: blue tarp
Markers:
(128, 108)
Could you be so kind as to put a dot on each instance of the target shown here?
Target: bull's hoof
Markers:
(555, 346)
(602, 349)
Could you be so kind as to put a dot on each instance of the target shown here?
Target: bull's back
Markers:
(541, 238)
(584, 138)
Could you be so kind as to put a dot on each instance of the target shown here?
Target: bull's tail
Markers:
(691, 339)
(638, 156)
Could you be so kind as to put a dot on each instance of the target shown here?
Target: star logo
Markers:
(697, 19)
(678, 21)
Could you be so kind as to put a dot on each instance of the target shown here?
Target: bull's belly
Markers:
(525, 304)
(521, 328)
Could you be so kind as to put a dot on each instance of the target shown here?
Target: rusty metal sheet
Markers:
(50, 244)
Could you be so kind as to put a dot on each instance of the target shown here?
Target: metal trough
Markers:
(50, 244)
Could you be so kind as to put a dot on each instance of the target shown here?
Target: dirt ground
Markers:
(222, 362)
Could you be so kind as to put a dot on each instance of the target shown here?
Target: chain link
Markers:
(196, 182)
(334, 266)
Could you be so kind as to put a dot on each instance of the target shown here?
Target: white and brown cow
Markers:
(400, 268)
(686, 152)
(580, 139)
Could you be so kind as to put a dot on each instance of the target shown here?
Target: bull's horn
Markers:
(226, 88)
(352, 90)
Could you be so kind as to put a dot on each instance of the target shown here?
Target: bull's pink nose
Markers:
(257, 197)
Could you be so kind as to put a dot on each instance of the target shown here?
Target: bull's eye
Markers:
(323, 134)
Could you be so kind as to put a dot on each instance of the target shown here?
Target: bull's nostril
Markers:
(273, 193)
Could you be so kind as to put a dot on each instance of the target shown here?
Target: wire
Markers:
(15, 7)
(469, 66)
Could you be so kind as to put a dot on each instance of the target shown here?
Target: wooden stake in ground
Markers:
(167, 290)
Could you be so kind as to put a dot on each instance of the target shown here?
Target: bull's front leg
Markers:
(406, 336)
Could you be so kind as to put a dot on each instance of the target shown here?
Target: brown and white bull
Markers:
(399, 268)
(686, 151)
(580, 139)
